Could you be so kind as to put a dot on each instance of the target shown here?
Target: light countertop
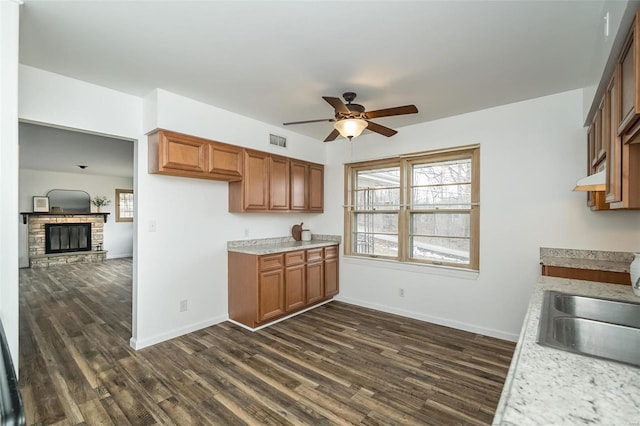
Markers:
(547, 386)
(279, 245)
(612, 261)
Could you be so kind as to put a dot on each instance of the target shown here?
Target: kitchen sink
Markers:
(591, 326)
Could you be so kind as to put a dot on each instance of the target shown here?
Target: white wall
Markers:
(9, 31)
(532, 153)
(59, 101)
(186, 258)
(118, 236)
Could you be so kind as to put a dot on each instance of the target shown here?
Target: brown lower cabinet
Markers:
(263, 288)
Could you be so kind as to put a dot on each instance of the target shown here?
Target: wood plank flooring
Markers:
(337, 364)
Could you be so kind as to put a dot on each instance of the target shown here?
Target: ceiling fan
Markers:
(351, 119)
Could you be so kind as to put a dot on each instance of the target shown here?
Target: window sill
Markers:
(447, 271)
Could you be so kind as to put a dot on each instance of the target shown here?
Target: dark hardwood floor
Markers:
(337, 364)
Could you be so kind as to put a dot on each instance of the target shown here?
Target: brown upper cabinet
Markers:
(307, 186)
(595, 199)
(278, 183)
(176, 154)
(629, 80)
(613, 145)
(286, 185)
(614, 135)
(258, 181)
(252, 192)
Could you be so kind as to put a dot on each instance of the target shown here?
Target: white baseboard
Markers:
(149, 341)
(432, 319)
(118, 256)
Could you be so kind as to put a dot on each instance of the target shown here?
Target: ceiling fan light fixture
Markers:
(351, 127)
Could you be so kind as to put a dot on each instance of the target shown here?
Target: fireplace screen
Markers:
(67, 237)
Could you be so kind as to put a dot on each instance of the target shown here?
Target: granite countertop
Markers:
(281, 244)
(610, 261)
(553, 387)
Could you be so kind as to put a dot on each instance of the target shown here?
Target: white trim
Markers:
(149, 341)
(119, 256)
(434, 320)
(446, 271)
(246, 327)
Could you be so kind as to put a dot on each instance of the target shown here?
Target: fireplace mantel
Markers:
(25, 215)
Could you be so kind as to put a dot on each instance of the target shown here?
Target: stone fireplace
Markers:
(71, 238)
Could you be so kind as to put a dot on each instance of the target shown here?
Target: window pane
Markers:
(378, 199)
(126, 205)
(441, 224)
(388, 177)
(375, 244)
(377, 189)
(444, 172)
(452, 250)
(448, 196)
(377, 223)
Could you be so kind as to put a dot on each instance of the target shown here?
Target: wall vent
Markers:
(276, 140)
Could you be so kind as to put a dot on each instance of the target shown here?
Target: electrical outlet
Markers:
(401, 292)
(183, 306)
(152, 225)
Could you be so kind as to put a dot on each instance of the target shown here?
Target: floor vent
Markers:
(276, 140)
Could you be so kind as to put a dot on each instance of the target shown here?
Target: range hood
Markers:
(595, 182)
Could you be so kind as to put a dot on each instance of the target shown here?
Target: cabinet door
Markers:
(299, 199)
(181, 152)
(316, 188)
(270, 294)
(315, 282)
(629, 100)
(295, 287)
(255, 181)
(614, 143)
(278, 183)
(597, 125)
(225, 159)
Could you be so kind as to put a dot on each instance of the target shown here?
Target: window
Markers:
(420, 208)
(124, 205)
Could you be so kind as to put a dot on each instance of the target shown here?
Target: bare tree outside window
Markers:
(422, 208)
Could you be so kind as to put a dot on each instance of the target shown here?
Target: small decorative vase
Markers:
(634, 271)
(97, 209)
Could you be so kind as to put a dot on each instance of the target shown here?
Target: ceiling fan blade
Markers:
(374, 127)
(310, 121)
(332, 136)
(337, 104)
(387, 112)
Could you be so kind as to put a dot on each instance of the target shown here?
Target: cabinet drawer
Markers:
(294, 257)
(314, 255)
(331, 252)
(273, 261)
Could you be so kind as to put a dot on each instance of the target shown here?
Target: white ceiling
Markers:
(273, 61)
(59, 150)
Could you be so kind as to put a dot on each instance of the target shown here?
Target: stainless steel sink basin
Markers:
(591, 326)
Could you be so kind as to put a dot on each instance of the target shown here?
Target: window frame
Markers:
(119, 218)
(405, 163)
